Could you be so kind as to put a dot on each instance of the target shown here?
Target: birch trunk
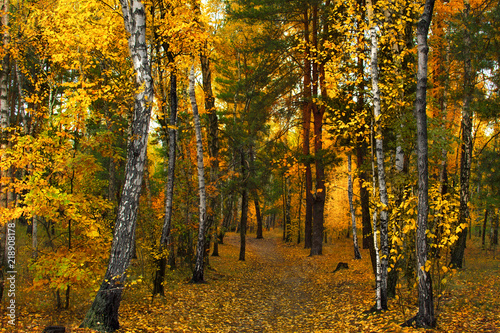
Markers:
(200, 247)
(4, 124)
(379, 150)
(357, 255)
(425, 316)
(103, 314)
(378, 266)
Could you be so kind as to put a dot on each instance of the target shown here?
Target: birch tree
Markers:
(379, 152)
(425, 315)
(357, 254)
(4, 124)
(200, 247)
(103, 314)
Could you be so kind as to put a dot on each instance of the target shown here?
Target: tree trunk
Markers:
(288, 204)
(259, 217)
(384, 234)
(165, 239)
(306, 129)
(378, 266)
(457, 253)
(200, 248)
(425, 316)
(103, 314)
(485, 221)
(213, 146)
(318, 73)
(4, 137)
(244, 205)
(494, 231)
(357, 255)
(299, 212)
(364, 198)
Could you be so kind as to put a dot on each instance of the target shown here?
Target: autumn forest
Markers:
(249, 166)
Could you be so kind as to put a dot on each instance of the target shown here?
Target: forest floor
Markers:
(279, 288)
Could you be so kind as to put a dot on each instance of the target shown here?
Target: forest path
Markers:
(284, 285)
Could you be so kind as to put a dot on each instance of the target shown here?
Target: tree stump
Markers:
(341, 265)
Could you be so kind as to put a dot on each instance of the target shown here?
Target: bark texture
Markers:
(103, 314)
(165, 240)
(457, 254)
(198, 275)
(306, 132)
(4, 139)
(357, 254)
(213, 145)
(425, 316)
(379, 152)
(244, 204)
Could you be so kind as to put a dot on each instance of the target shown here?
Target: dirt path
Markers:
(282, 289)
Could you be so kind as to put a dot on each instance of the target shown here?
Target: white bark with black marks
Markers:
(357, 254)
(103, 314)
(425, 316)
(198, 273)
(379, 152)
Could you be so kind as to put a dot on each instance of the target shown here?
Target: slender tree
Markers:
(379, 151)
(103, 314)
(425, 316)
(306, 131)
(457, 254)
(165, 239)
(4, 124)
(357, 254)
(200, 247)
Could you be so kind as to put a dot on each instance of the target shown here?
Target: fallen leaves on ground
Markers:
(279, 288)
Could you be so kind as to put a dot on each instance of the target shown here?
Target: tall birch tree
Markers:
(200, 247)
(379, 152)
(4, 124)
(425, 315)
(357, 254)
(103, 314)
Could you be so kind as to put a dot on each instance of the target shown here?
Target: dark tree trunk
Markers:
(244, 206)
(485, 221)
(319, 197)
(494, 231)
(425, 316)
(213, 146)
(215, 252)
(288, 217)
(457, 253)
(165, 240)
(364, 198)
(306, 129)
(103, 314)
(318, 74)
(259, 217)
